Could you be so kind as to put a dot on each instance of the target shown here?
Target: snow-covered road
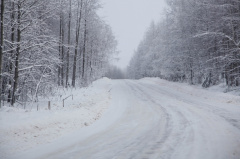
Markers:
(152, 118)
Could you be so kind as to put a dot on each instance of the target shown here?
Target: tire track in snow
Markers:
(224, 113)
(172, 138)
(203, 118)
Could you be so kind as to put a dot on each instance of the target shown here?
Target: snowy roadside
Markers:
(215, 93)
(21, 130)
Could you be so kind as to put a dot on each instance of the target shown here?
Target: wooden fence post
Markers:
(49, 105)
(63, 102)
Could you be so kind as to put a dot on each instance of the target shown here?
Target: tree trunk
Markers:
(1, 49)
(78, 25)
(12, 51)
(91, 59)
(62, 50)
(59, 49)
(69, 38)
(84, 48)
(17, 55)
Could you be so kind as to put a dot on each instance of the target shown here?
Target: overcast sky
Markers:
(129, 20)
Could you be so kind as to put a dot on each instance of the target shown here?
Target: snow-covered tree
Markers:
(49, 43)
(197, 42)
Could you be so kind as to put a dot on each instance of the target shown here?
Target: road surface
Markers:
(153, 120)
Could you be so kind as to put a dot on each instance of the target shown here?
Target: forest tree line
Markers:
(198, 41)
(47, 44)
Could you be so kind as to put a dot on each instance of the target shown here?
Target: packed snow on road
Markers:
(148, 118)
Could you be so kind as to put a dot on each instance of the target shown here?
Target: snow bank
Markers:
(21, 130)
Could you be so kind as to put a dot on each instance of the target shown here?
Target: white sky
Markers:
(129, 20)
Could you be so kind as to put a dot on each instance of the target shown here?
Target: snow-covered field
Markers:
(21, 130)
(147, 118)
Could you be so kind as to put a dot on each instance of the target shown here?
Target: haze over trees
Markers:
(50, 44)
(115, 73)
(197, 42)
